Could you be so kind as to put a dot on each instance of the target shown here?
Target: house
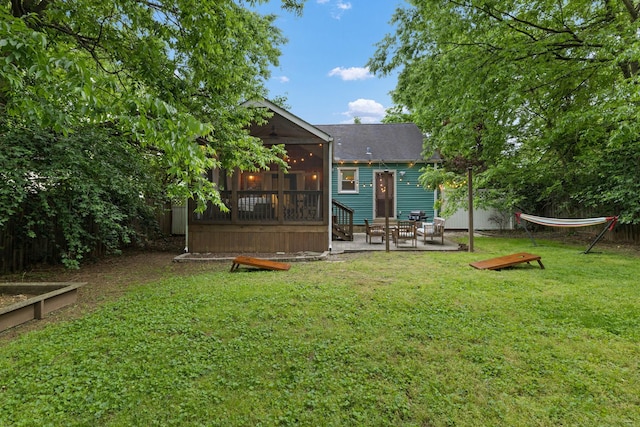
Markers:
(361, 167)
(376, 164)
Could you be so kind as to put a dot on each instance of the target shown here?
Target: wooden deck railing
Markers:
(264, 206)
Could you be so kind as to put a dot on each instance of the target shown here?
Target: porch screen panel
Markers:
(303, 183)
(273, 195)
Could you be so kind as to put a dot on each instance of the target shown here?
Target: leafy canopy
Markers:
(539, 97)
(169, 74)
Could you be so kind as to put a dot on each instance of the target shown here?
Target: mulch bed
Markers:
(8, 299)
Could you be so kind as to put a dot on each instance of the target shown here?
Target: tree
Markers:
(541, 97)
(170, 74)
(136, 90)
(63, 197)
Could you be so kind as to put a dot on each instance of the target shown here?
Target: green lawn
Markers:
(381, 339)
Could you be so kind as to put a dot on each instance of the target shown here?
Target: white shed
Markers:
(483, 219)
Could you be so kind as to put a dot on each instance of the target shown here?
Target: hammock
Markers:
(568, 222)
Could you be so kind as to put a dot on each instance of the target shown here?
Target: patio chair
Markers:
(373, 230)
(432, 229)
(406, 230)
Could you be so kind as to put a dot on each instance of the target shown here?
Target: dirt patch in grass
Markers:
(109, 278)
(572, 237)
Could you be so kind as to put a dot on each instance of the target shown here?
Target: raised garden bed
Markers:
(41, 299)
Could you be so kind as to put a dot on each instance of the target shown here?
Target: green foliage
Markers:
(102, 101)
(89, 189)
(168, 75)
(366, 341)
(540, 98)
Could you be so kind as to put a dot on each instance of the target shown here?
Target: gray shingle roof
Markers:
(388, 142)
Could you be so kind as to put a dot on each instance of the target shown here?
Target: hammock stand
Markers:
(565, 222)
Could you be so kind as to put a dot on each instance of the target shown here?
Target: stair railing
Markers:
(342, 219)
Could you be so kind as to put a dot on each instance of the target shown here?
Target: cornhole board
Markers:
(506, 261)
(260, 263)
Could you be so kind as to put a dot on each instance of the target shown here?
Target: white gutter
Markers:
(186, 226)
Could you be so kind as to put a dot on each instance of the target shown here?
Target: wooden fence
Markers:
(19, 253)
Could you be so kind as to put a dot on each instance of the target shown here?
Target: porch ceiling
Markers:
(283, 124)
(279, 127)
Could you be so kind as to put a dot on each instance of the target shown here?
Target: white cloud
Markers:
(283, 79)
(343, 6)
(368, 110)
(338, 8)
(353, 73)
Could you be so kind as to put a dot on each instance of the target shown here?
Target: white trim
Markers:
(356, 180)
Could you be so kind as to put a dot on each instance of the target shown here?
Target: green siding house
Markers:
(376, 164)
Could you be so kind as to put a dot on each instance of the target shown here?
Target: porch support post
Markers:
(386, 210)
(328, 183)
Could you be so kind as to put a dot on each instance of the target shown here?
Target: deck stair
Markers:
(342, 221)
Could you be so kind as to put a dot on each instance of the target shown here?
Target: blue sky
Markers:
(322, 70)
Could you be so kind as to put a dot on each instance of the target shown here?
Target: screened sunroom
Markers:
(272, 210)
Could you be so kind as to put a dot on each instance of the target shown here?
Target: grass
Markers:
(380, 339)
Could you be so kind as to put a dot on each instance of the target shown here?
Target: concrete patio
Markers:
(359, 244)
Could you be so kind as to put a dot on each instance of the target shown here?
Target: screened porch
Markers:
(272, 196)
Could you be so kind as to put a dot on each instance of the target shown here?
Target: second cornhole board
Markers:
(506, 261)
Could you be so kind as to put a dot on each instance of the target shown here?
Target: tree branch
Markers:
(632, 9)
(20, 8)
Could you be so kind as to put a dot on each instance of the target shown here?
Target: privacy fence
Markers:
(21, 251)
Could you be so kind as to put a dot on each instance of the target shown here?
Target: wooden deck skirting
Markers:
(506, 261)
(262, 238)
(264, 264)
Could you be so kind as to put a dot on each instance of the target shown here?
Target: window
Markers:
(347, 180)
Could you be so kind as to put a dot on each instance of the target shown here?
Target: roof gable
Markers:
(381, 142)
(283, 124)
